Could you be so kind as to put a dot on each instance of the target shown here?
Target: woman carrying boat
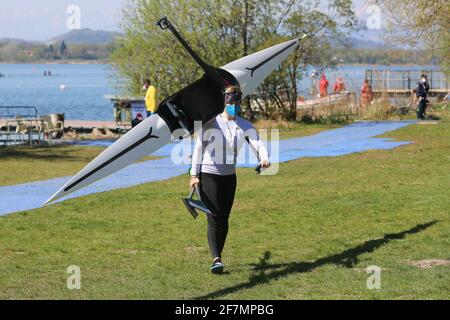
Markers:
(214, 168)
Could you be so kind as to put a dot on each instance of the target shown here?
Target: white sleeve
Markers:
(197, 155)
(257, 144)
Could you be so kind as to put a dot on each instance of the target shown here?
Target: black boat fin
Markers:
(192, 205)
(209, 70)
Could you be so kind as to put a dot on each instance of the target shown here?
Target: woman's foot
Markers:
(217, 266)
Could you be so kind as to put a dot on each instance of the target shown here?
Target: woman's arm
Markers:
(197, 155)
(258, 146)
(197, 159)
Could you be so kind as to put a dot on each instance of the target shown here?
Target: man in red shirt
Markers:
(339, 85)
(323, 86)
(366, 94)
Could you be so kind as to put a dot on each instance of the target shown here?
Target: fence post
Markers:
(409, 80)
(431, 79)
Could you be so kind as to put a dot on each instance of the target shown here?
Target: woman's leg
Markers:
(227, 202)
(209, 190)
(218, 194)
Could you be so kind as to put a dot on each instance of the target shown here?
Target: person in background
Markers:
(339, 85)
(366, 94)
(423, 88)
(150, 97)
(118, 111)
(315, 84)
(323, 86)
(137, 120)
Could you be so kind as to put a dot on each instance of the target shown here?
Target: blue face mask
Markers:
(233, 110)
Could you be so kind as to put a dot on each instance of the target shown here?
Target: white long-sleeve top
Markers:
(218, 143)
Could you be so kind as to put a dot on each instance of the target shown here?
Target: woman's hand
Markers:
(265, 164)
(195, 181)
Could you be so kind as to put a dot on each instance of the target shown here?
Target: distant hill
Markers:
(86, 36)
(18, 41)
(358, 43)
(366, 44)
(368, 39)
(375, 39)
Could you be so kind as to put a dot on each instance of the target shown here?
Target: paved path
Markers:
(357, 137)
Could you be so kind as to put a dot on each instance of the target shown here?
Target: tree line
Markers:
(224, 30)
(386, 56)
(35, 52)
(20, 53)
(420, 24)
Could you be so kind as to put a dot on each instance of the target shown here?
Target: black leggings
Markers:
(218, 194)
(422, 108)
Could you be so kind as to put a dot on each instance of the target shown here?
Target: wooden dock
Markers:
(81, 124)
(404, 82)
(335, 105)
(111, 125)
(408, 91)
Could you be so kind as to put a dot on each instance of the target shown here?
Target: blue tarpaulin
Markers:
(356, 137)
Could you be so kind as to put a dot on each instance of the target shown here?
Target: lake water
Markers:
(83, 98)
(87, 85)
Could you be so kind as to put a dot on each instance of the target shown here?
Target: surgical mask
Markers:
(233, 110)
(424, 80)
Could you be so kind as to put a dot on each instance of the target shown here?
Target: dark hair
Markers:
(147, 81)
(424, 76)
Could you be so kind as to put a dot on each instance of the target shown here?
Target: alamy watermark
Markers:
(74, 19)
(74, 278)
(374, 280)
(220, 152)
(374, 21)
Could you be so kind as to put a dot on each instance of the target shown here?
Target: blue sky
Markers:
(43, 19)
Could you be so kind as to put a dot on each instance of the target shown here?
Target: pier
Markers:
(404, 82)
(22, 125)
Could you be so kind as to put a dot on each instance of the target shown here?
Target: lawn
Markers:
(309, 232)
(295, 130)
(25, 164)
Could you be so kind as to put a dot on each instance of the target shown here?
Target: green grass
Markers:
(301, 130)
(26, 164)
(309, 232)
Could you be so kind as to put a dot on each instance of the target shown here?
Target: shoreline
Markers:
(62, 62)
(385, 65)
(97, 62)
